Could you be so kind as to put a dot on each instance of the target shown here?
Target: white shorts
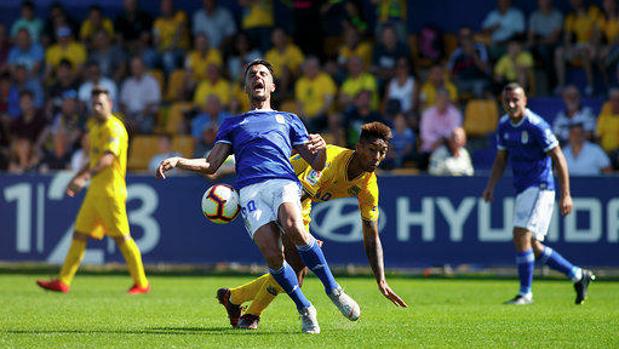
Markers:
(533, 211)
(260, 202)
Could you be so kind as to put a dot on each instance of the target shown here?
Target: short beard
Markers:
(258, 99)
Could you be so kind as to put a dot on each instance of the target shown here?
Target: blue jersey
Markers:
(262, 142)
(527, 144)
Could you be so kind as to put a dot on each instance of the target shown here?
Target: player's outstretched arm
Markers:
(565, 204)
(314, 152)
(374, 252)
(500, 162)
(207, 166)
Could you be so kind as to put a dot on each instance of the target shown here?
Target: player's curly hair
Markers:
(375, 130)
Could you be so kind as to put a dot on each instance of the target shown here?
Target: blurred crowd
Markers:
(179, 74)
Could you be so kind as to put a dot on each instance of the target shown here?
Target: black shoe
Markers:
(233, 310)
(520, 300)
(582, 285)
(249, 322)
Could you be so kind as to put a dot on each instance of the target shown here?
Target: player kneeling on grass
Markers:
(526, 140)
(103, 211)
(347, 173)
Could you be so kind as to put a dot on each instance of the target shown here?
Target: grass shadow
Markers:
(167, 330)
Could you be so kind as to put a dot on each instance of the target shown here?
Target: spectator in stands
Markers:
(211, 113)
(5, 89)
(360, 113)
(94, 23)
(65, 48)
(242, 53)
(69, 121)
(573, 113)
(130, 24)
(436, 80)
(57, 19)
(215, 22)
(544, 35)
(469, 65)
(26, 53)
(583, 157)
(80, 156)
(22, 82)
(608, 54)
(22, 157)
(29, 21)
(580, 39)
(111, 59)
(65, 81)
(59, 158)
(386, 53)
(144, 49)
(257, 21)
(354, 46)
(391, 13)
(314, 94)
(165, 151)
(171, 35)
(213, 84)
(503, 24)
(5, 47)
(438, 122)
(203, 54)
(95, 78)
(309, 36)
(451, 158)
(286, 58)
(358, 80)
(140, 96)
(31, 123)
(403, 143)
(515, 66)
(607, 129)
(402, 87)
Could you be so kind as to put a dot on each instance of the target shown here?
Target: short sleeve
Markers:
(368, 201)
(113, 139)
(224, 134)
(601, 158)
(544, 136)
(500, 143)
(298, 132)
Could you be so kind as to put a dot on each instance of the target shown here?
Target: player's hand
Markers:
(75, 186)
(316, 143)
(566, 204)
(166, 165)
(488, 195)
(391, 295)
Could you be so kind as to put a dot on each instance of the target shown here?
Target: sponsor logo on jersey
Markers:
(279, 118)
(524, 137)
(312, 177)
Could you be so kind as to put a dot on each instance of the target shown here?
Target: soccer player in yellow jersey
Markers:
(347, 173)
(103, 211)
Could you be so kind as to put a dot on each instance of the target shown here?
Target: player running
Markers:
(262, 141)
(527, 141)
(103, 211)
(348, 173)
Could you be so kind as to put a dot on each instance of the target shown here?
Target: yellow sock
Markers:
(248, 291)
(72, 261)
(269, 290)
(133, 257)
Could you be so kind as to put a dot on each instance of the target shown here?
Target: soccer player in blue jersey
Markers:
(526, 140)
(261, 141)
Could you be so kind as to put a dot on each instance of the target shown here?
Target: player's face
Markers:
(259, 83)
(372, 153)
(101, 106)
(515, 102)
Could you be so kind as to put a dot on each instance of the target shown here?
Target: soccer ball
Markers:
(220, 204)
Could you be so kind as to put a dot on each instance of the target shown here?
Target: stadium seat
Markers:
(183, 144)
(480, 117)
(176, 85)
(142, 149)
(175, 122)
(158, 75)
(451, 43)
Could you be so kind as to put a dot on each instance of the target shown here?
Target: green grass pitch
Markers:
(181, 311)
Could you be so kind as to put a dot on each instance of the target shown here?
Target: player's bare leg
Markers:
(69, 268)
(310, 252)
(133, 257)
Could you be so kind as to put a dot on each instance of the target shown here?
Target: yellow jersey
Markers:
(608, 130)
(172, 32)
(364, 81)
(333, 182)
(221, 89)
(291, 58)
(109, 136)
(258, 14)
(198, 62)
(74, 52)
(312, 93)
(583, 26)
(506, 68)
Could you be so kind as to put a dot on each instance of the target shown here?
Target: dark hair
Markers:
(375, 130)
(258, 61)
(512, 86)
(28, 4)
(66, 63)
(97, 90)
(26, 92)
(96, 8)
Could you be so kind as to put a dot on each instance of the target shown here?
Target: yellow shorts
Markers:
(102, 215)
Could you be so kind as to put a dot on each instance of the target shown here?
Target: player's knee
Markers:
(274, 258)
(121, 239)
(80, 236)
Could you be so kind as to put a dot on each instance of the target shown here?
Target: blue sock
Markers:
(314, 259)
(554, 260)
(526, 263)
(287, 279)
